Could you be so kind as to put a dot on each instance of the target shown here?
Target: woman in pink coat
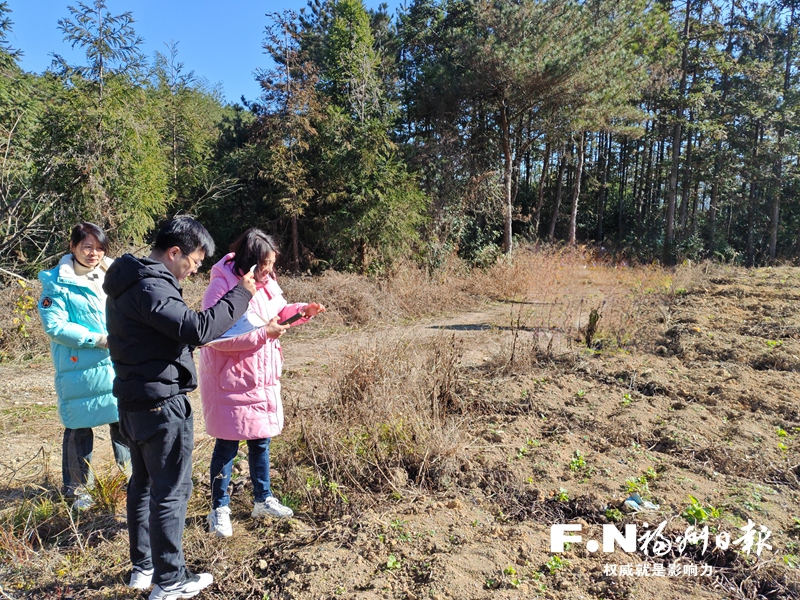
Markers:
(240, 378)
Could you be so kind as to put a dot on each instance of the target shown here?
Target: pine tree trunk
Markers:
(778, 186)
(623, 183)
(714, 200)
(508, 167)
(669, 234)
(696, 193)
(751, 218)
(295, 246)
(573, 218)
(604, 160)
(751, 203)
(686, 186)
(648, 183)
(545, 167)
(562, 166)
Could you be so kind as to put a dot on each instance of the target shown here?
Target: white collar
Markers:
(65, 268)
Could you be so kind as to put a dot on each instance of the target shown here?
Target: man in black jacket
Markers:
(151, 335)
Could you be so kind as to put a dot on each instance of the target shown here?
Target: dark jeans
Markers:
(76, 456)
(222, 464)
(162, 440)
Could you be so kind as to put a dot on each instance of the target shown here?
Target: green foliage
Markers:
(108, 491)
(577, 463)
(696, 514)
(350, 73)
(555, 563)
(24, 307)
(638, 485)
(30, 525)
(103, 159)
(98, 151)
(110, 43)
(188, 115)
(641, 485)
(450, 126)
(374, 206)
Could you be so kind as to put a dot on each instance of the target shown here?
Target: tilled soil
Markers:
(700, 416)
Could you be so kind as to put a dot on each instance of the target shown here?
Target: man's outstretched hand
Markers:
(248, 282)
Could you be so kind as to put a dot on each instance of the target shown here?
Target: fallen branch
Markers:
(18, 277)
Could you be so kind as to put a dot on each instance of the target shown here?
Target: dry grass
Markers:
(391, 420)
(108, 491)
(21, 333)
(410, 292)
(548, 280)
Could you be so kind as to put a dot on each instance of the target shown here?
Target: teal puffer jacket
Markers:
(73, 315)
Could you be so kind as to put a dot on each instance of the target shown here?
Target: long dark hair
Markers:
(251, 248)
(83, 230)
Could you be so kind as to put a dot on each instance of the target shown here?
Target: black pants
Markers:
(162, 440)
(76, 456)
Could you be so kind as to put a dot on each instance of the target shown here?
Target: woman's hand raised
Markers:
(312, 309)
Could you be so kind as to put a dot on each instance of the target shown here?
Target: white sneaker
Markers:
(271, 508)
(219, 521)
(188, 588)
(141, 579)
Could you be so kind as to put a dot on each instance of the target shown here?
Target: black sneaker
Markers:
(188, 588)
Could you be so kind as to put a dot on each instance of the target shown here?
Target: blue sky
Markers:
(220, 41)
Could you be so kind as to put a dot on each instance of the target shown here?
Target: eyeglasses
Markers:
(197, 263)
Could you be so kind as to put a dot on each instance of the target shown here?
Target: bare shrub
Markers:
(416, 292)
(387, 422)
(564, 298)
(531, 274)
(21, 333)
(409, 292)
(350, 299)
(193, 289)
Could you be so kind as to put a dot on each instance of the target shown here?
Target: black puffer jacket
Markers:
(151, 331)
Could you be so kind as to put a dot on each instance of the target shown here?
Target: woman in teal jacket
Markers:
(72, 309)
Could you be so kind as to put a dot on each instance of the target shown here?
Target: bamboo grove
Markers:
(654, 130)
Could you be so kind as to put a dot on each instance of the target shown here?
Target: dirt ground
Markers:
(700, 416)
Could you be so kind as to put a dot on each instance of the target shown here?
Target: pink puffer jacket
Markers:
(240, 378)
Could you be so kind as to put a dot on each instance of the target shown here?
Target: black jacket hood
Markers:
(151, 331)
(127, 270)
